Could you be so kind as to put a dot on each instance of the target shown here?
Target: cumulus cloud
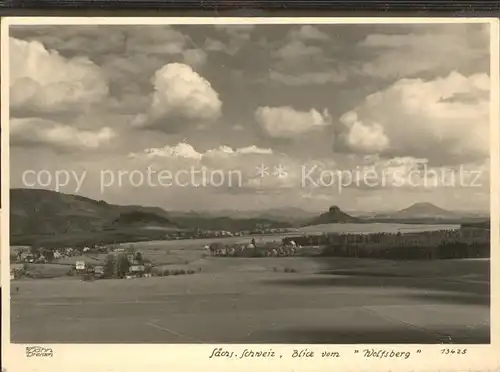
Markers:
(43, 80)
(249, 150)
(181, 150)
(240, 162)
(298, 45)
(214, 45)
(424, 119)
(286, 122)
(417, 173)
(195, 57)
(254, 150)
(187, 151)
(411, 124)
(154, 40)
(364, 138)
(35, 131)
(297, 50)
(239, 32)
(89, 40)
(305, 59)
(181, 96)
(98, 40)
(236, 37)
(444, 48)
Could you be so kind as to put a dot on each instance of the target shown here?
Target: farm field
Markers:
(185, 251)
(253, 300)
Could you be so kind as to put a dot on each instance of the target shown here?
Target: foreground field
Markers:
(256, 301)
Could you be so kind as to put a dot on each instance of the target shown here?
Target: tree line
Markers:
(443, 244)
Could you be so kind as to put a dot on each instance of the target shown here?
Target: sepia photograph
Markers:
(252, 183)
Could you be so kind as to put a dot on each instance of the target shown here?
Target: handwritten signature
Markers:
(38, 351)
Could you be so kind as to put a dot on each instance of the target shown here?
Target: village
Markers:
(82, 258)
(125, 261)
(204, 234)
(119, 263)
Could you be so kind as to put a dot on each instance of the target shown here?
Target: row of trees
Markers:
(444, 251)
(118, 266)
(462, 243)
(427, 238)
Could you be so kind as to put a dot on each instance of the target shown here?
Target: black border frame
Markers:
(250, 8)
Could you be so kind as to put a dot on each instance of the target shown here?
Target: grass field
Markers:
(253, 300)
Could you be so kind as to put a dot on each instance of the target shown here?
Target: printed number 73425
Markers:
(453, 351)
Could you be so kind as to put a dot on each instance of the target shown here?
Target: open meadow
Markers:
(260, 300)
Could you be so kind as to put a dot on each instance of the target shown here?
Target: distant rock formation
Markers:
(334, 215)
(424, 210)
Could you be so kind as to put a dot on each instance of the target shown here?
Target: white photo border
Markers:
(124, 357)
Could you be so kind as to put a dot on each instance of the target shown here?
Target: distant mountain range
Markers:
(36, 213)
(286, 214)
(140, 217)
(43, 212)
(425, 210)
(294, 215)
(421, 210)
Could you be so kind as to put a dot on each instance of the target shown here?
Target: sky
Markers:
(211, 117)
